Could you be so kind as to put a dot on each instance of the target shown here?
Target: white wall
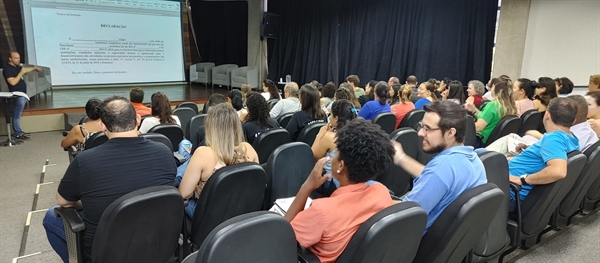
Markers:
(563, 40)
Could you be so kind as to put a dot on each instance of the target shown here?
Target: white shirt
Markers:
(150, 122)
(585, 134)
(266, 95)
(291, 104)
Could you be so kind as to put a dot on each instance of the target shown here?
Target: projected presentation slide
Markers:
(105, 41)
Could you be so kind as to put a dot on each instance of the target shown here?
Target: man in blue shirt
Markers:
(545, 161)
(454, 170)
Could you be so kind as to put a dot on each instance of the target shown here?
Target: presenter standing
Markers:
(13, 74)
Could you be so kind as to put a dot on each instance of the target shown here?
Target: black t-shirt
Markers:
(11, 71)
(101, 175)
(300, 120)
(200, 139)
(253, 130)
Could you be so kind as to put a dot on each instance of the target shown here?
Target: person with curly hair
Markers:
(545, 91)
(363, 152)
(455, 169)
(594, 83)
(353, 98)
(257, 120)
(161, 113)
(327, 94)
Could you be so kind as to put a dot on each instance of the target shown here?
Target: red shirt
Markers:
(477, 99)
(400, 110)
(141, 109)
(327, 226)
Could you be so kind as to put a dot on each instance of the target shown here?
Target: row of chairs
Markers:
(230, 75)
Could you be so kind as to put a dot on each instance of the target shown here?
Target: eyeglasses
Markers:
(427, 130)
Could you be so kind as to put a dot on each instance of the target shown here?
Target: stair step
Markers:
(54, 172)
(46, 195)
(39, 257)
(36, 234)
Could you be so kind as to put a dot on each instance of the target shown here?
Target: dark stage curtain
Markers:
(326, 40)
(221, 31)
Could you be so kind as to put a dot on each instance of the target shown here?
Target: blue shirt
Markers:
(554, 145)
(372, 108)
(421, 103)
(444, 178)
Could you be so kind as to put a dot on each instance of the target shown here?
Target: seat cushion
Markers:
(220, 76)
(201, 75)
(239, 79)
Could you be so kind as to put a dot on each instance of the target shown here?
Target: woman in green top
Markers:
(502, 106)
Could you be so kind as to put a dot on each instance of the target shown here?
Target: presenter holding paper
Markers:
(13, 74)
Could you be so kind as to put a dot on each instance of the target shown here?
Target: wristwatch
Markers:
(523, 182)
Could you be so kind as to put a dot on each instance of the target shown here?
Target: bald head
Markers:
(118, 114)
(411, 80)
(582, 108)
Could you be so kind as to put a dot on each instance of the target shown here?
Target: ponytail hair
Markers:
(381, 90)
(345, 112)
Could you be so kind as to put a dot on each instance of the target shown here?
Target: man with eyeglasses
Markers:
(455, 169)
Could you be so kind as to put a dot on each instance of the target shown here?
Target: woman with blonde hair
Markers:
(245, 89)
(353, 98)
(161, 113)
(405, 105)
(223, 149)
(502, 106)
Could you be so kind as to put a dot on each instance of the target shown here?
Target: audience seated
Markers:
(235, 99)
(391, 82)
(161, 113)
(454, 92)
(245, 89)
(544, 93)
(412, 82)
(545, 161)
(378, 105)
(291, 103)
(593, 101)
(99, 176)
(354, 81)
(213, 100)
(311, 111)
(426, 95)
(80, 133)
(327, 94)
(594, 83)
(455, 169)
(523, 91)
(270, 90)
(443, 86)
(475, 90)
(405, 105)
(225, 146)
(326, 227)
(136, 96)
(342, 112)
(564, 86)
(350, 90)
(394, 95)
(488, 95)
(487, 119)
(257, 119)
(369, 92)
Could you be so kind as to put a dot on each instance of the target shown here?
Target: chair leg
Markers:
(507, 252)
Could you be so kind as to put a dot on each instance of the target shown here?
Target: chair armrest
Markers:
(179, 158)
(305, 256)
(71, 218)
(515, 227)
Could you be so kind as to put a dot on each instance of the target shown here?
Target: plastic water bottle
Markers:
(288, 78)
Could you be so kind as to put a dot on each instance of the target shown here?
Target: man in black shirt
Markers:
(13, 75)
(100, 175)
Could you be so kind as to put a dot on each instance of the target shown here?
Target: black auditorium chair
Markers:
(387, 121)
(184, 114)
(391, 235)
(171, 130)
(395, 178)
(188, 104)
(231, 191)
(527, 224)
(309, 133)
(572, 203)
(287, 168)
(471, 134)
(253, 237)
(95, 140)
(482, 105)
(507, 125)
(412, 119)
(531, 120)
(593, 194)
(461, 225)
(83, 120)
(495, 240)
(128, 229)
(205, 108)
(157, 137)
(284, 119)
(195, 122)
(272, 103)
(268, 141)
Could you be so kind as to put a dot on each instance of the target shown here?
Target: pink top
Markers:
(524, 105)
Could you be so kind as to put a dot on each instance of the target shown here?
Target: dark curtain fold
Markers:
(221, 31)
(326, 40)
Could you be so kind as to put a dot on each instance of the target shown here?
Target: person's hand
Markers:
(38, 69)
(514, 179)
(520, 147)
(316, 177)
(243, 115)
(470, 107)
(400, 154)
(444, 94)
(595, 124)
(25, 70)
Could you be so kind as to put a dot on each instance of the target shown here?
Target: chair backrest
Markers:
(378, 238)
(171, 130)
(395, 178)
(590, 172)
(137, 223)
(309, 133)
(205, 108)
(95, 140)
(185, 114)
(471, 134)
(157, 137)
(284, 119)
(507, 125)
(461, 224)
(387, 121)
(287, 169)
(231, 191)
(543, 200)
(272, 103)
(83, 120)
(188, 104)
(496, 239)
(482, 105)
(412, 119)
(195, 122)
(268, 141)
(531, 120)
(254, 237)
